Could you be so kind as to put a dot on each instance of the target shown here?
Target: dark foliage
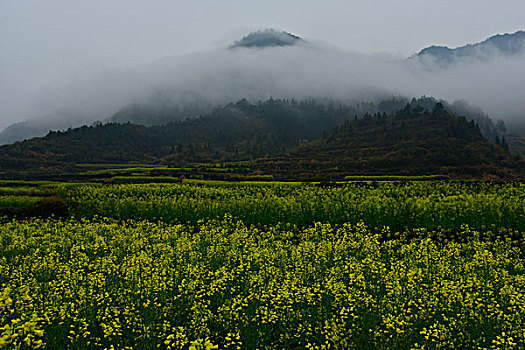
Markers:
(236, 131)
(48, 207)
(412, 141)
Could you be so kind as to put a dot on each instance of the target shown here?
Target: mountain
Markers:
(283, 138)
(412, 141)
(41, 126)
(266, 38)
(152, 114)
(177, 87)
(24, 130)
(233, 132)
(157, 115)
(506, 45)
(261, 65)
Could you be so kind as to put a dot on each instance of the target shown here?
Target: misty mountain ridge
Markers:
(257, 68)
(266, 38)
(411, 141)
(506, 45)
(287, 139)
(159, 114)
(41, 126)
(232, 132)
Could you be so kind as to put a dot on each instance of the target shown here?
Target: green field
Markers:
(398, 205)
(264, 265)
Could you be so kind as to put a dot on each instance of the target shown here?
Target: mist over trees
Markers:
(259, 67)
(237, 131)
(507, 45)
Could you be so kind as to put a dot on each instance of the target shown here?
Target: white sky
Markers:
(45, 43)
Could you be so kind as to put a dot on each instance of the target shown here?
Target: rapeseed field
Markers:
(430, 265)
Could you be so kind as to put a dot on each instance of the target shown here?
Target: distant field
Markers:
(18, 201)
(200, 264)
(398, 205)
(395, 177)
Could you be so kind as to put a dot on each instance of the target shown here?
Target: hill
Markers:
(233, 132)
(284, 139)
(259, 65)
(412, 141)
(506, 45)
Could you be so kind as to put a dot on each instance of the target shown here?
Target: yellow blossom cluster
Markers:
(397, 204)
(221, 283)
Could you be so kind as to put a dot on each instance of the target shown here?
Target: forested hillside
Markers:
(409, 141)
(412, 141)
(235, 131)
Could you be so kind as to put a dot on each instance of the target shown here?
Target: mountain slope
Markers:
(260, 65)
(41, 126)
(411, 141)
(236, 131)
(506, 45)
(153, 115)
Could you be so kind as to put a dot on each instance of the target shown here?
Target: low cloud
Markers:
(309, 69)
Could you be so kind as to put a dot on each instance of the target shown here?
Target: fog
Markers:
(496, 83)
(309, 69)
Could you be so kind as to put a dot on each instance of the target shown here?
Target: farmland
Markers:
(267, 265)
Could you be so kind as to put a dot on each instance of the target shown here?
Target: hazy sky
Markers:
(54, 42)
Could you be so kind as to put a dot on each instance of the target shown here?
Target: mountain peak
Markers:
(501, 44)
(266, 38)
